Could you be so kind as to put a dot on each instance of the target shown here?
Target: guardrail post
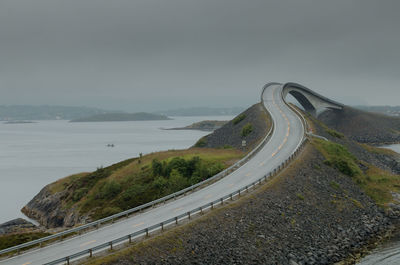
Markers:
(212, 205)
(90, 253)
(231, 196)
(222, 201)
(162, 226)
(147, 232)
(239, 192)
(97, 226)
(201, 210)
(127, 215)
(188, 213)
(67, 258)
(130, 239)
(176, 220)
(247, 188)
(40, 244)
(111, 246)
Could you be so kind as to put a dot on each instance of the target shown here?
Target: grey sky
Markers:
(156, 54)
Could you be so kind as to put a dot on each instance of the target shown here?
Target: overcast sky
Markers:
(143, 55)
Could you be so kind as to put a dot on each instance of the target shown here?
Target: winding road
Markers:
(287, 135)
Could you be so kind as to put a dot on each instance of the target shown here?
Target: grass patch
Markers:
(334, 133)
(246, 130)
(202, 142)
(335, 185)
(339, 157)
(377, 183)
(129, 183)
(300, 196)
(378, 150)
(7, 241)
(238, 119)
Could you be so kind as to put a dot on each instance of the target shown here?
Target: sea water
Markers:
(33, 155)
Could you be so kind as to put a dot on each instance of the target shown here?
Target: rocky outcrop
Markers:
(47, 209)
(17, 226)
(362, 126)
(231, 134)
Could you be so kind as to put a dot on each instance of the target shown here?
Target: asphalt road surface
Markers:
(287, 135)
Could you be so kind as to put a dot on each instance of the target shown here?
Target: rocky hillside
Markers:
(362, 126)
(250, 126)
(318, 211)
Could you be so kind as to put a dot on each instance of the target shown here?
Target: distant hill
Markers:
(203, 126)
(28, 112)
(201, 111)
(388, 110)
(140, 116)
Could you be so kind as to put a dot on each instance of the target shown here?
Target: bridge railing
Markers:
(112, 218)
(176, 219)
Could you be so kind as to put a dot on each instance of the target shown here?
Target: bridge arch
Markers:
(311, 101)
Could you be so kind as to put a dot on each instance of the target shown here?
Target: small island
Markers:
(140, 116)
(18, 122)
(208, 125)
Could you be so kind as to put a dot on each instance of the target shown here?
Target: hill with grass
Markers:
(250, 126)
(86, 197)
(140, 116)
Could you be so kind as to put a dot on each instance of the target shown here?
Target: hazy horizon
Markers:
(152, 55)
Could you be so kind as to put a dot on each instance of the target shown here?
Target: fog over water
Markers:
(33, 155)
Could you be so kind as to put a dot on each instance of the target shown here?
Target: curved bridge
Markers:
(277, 149)
(311, 101)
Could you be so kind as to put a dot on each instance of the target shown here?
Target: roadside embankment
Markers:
(330, 205)
(250, 126)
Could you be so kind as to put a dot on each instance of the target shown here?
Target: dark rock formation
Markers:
(45, 207)
(362, 126)
(230, 135)
(16, 225)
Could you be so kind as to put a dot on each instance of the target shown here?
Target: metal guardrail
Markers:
(175, 220)
(161, 226)
(126, 213)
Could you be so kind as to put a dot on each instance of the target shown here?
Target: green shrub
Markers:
(7, 241)
(79, 194)
(107, 211)
(334, 185)
(334, 133)
(109, 190)
(202, 142)
(246, 130)
(238, 119)
(339, 157)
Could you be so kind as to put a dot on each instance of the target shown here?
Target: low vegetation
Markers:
(7, 241)
(338, 157)
(133, 182)
(238, 119)
(377, 183)
(246, 130)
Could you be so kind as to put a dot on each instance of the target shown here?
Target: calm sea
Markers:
(33, 155)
